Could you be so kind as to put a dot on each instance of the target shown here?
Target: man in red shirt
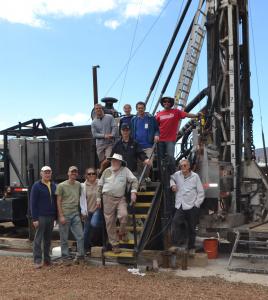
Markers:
(168, 120)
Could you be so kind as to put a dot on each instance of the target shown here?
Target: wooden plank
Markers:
(143, 204)
(146, 193)
(123, 254)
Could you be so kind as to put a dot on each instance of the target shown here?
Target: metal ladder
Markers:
(191, 57)
(250, 261)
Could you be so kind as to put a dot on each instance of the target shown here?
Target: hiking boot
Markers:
(116, 249)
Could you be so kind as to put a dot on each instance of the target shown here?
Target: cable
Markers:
(130, 53)
(255, 61)
(137, 48)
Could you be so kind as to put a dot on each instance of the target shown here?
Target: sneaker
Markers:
(37, 266)
(79, 260)
(116, 249)
(147, 179)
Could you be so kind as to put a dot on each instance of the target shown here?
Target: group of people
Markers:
(121, 162)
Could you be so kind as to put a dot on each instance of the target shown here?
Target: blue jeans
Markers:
(88, 232)
(73, 222)
(166, 149)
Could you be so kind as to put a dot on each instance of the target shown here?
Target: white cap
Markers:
(46, 168)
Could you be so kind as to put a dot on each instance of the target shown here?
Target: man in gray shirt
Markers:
(104, 130)
(189, 196)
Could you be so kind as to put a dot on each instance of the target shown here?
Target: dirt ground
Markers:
(19, 280)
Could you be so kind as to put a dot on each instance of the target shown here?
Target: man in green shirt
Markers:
(68, 195)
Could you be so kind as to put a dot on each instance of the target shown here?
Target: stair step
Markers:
(250, 255)
(146, 193)
(139, 216)
(130, 228)
(248, 270)
(124, 254)
(129, 242)
(143, 204)
(246, 242)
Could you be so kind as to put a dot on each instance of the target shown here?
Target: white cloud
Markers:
(77, 119)
(135, 8)
(113, 24)
(35, 12)
(31, 12)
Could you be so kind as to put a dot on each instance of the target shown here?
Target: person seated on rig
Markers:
(112, 188)
(68, 195)
(130, 150)
(168, 120)
(43, 212)
(104, 130)
(144, 130)
(189, 196)
(127, 117)
(88, 205)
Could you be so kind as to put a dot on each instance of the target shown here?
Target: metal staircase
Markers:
(140, 225)
(250, 252)
(191, 57)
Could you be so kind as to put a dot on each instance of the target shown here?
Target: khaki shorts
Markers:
(104, 151)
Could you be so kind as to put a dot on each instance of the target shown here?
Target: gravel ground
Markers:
(19, 280)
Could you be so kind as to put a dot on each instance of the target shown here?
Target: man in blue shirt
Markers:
(144, 130)
(43, 211)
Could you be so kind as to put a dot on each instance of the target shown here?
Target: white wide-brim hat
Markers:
(118, 157)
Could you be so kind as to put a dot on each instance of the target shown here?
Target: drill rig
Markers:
(220, 145)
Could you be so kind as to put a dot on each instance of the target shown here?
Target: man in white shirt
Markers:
(189, 196)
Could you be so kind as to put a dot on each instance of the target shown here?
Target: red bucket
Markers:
(211, 248)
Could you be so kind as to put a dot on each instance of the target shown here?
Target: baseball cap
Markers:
(73, 168)
(125, 126)
(45, 168)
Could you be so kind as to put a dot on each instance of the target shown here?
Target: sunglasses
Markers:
(91, 174)
(183, 165)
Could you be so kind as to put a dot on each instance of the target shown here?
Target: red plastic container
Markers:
(211, 248)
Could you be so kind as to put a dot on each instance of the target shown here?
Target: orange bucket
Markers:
(211, 248)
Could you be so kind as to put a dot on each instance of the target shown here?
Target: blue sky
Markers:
(48, 48)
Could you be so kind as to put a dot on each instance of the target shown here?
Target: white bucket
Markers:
(56, 251)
